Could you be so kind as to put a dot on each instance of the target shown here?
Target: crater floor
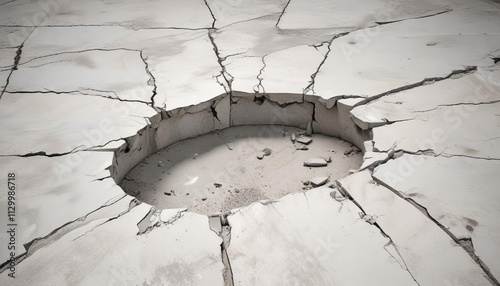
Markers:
(228, 169)
(89, 89)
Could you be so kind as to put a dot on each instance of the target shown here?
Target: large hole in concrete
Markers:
(231, 151)
(234, 167)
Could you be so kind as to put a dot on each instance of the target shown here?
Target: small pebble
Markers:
(293, 137)
(217, 185)
(195, 156)
(237, 191)
(167, 193)
(204, 199)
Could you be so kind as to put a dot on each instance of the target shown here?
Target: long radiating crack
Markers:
(226, 241)
(457, 104)
(310, 87)
(404, 266)
(228, 78)
(459, 241)
(414, 18)
(43, 153)
(425, 81)
(153, 79)
(38, 243)
(81, 92)
(211, 13)
(282, 13)
(429, 152)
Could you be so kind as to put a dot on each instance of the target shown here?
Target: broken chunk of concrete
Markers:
(316, 162)
(302, 148)
(304, 140)
(319, 181)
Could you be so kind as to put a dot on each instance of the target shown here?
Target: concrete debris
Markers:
(301, 147)
(319, 181)
(304, 140)
(316, 162)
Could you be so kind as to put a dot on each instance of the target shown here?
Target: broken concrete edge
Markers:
(238, 109)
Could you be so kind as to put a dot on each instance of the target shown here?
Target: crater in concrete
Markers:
(236, 166)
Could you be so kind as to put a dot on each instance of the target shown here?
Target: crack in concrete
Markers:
(260, 78)
(17, 58)
(228, 78)
(7, 2)
(346, 194)
(211, 13)
(430, 152)
(152, 80)
(415, 18)
(425, 81)
(38, 243)
(249, 20)
(282, 14)
(310, 87)
(457, 240)
(81, 92)
(225, 235)
(133, 203)
(457, 104)
(43, 153)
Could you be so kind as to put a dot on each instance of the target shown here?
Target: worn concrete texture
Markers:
(89, 89)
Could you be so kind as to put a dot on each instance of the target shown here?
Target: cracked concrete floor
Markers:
(89, 89)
